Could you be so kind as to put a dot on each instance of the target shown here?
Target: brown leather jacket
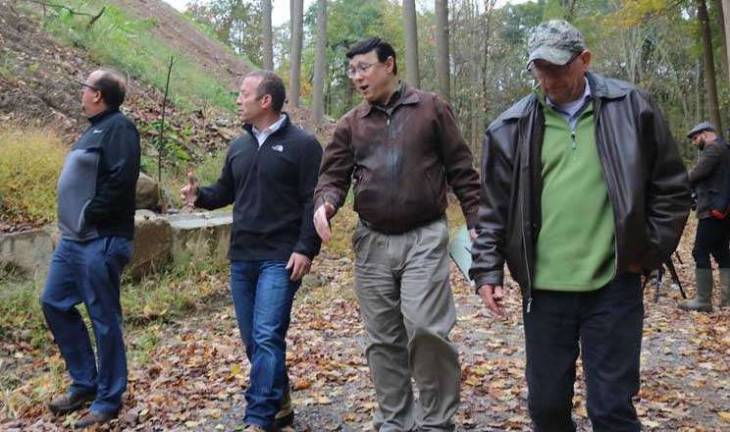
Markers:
(646, 179)
(709, 177)
(401, 158)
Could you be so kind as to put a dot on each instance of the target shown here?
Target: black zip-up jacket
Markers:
(709, 178)
(644, 173)
(96, 188)
(271, 189)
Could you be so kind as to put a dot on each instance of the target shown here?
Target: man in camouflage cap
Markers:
(582, 189)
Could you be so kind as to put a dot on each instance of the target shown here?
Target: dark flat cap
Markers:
(701, 127)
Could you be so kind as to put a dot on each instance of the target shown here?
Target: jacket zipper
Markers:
(524, 237)
(611, 197)
(572, 137)
(388, 146)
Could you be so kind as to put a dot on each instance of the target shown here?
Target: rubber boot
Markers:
(703, 300)
(725, 287)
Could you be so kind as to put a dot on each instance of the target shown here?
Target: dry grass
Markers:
(30, 162)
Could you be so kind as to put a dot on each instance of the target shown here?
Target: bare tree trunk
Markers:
(710, 83)
(320, 62)
(726, 22)
(268, 36)
(295, 60)
(350, 93)
(717, 4)
(488, 11)
(476, 76)
(568, 9)
(410, 28)
(442, 47)
(699, 92)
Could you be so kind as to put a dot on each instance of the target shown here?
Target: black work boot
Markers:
(69, 402)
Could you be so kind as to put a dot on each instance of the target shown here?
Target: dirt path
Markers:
(194, 377)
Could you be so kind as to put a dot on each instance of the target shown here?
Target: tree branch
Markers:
(93, 19)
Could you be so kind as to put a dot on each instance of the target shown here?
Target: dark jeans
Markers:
(263, 297)
(712, 238)
(89, 272)
(606, 326)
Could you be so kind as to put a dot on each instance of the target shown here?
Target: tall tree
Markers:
(726, 21)
(411, 35)
(719, 13)
(295, 60)
(268, 54)
(709, 63)
(236, 23)
(442, 47)
(320, 62)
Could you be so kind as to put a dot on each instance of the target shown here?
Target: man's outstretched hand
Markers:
(189, 192)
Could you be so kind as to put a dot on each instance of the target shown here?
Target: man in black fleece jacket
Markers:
(96, 203)
(269, 175)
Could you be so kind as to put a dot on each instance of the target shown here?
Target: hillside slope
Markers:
(39, 73)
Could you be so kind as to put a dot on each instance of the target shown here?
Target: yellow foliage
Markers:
(30, 162)
(634, 12)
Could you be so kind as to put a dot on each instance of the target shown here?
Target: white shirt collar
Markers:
(262, 135)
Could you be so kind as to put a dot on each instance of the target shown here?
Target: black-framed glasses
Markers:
(83, 84)
(551, 69)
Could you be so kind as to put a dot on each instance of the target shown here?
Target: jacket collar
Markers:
(408, 96)
(606, 88)
(601, 88)
(249, 127)
(95, 119)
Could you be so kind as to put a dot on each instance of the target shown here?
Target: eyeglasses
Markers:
(359, 68)
(551, 69)
(83, 84)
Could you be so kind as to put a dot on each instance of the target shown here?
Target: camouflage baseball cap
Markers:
(555, 41)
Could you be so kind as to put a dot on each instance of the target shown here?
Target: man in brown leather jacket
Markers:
(402, 147)
(582, 189)
(709, 179)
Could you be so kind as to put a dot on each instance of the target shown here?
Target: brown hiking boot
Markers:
(94, 418)
(69, 402)
(285, 415)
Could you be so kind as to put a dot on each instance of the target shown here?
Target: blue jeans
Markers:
(263, 297)
(89, 272)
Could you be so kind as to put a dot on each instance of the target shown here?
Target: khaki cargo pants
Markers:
(402, 285)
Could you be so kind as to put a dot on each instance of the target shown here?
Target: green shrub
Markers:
(30, 162)
(130, 45)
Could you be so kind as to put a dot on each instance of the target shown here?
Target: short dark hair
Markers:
(272, 85)
(112, 86)
(382, 48)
